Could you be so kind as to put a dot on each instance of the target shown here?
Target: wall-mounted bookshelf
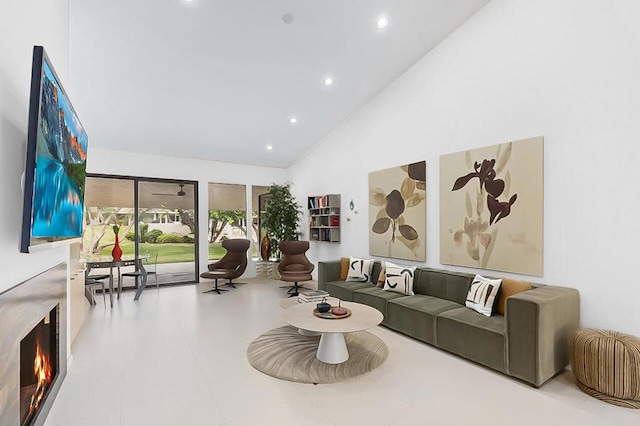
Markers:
(324, 218)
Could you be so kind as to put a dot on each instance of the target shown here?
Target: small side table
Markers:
(607, 366)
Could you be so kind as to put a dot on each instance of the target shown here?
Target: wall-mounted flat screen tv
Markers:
(56, 161)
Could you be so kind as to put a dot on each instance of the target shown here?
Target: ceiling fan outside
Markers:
(180, 193)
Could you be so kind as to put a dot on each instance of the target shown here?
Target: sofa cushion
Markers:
(376, 298)
(375, 272)
(415, 315)
(508, 288)
(474, 336)
(482, 296)
(382, 276)
(452, 286)
(343, 290)
(399, 278)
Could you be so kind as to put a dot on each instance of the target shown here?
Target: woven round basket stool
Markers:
(607, 366)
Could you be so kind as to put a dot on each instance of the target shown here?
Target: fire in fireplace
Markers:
(38, 366)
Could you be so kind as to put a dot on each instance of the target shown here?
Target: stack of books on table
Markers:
(315, 296)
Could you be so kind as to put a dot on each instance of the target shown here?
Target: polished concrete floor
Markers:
(177, 357)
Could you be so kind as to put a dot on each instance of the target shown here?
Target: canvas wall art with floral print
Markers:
(491, 207)
(397, 212)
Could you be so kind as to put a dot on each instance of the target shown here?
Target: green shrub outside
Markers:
(188, 239)
(130, 236)
(169, 239)
(153, 236)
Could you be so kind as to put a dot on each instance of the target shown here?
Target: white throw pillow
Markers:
(399, 278)
(482, 295)
(359, 269)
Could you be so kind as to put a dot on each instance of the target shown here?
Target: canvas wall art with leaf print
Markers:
(491, 207)
(397, 212)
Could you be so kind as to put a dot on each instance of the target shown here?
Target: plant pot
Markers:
(275, 274)
(265, 248)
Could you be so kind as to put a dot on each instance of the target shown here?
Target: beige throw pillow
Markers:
(509, 288)
(344, 268)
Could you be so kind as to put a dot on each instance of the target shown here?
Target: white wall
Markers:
(568, 71)
(137, 164)
(24, 24)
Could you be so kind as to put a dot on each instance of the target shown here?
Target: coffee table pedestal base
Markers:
(332, 348)
(308, 333)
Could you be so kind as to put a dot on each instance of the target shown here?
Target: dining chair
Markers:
(139, 273)
(150, 262)
(96, 277)
(91, 284)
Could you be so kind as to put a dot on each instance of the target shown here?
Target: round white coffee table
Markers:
(332, 348)
(290, 302)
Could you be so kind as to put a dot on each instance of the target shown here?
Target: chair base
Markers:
(293, 289)
(232, 284)
(216, 289)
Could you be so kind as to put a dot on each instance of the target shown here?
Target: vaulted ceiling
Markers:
(222, 80)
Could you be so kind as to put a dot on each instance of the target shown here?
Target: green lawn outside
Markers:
(168, 253)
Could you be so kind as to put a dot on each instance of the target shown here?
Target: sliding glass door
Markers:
(157, 219)
(167, 229)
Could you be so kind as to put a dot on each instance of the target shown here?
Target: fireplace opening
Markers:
(39, 365)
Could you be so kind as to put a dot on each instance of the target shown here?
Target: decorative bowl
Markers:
(323, 307)
(337, 310)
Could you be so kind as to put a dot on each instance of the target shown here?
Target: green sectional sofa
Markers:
(530, 342)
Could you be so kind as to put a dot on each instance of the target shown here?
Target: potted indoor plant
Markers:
(281, 217)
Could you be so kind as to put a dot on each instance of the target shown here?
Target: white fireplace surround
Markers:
(22, 307)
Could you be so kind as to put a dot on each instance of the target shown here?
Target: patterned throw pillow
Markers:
(359, 269)
(399, 278)
(482, 295)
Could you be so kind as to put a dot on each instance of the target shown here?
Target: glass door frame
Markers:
(136, 216)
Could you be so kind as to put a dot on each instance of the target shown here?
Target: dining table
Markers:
(106, 262)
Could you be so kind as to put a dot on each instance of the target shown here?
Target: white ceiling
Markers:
(219, 80)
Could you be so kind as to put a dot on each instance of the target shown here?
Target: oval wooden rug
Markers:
(285, 354)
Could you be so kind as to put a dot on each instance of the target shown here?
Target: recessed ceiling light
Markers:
(287, 18)
(293, 120)
(328, 81)
(382, 22)
(269, 147)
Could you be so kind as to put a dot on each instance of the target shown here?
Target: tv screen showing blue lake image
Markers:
(59, 181)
